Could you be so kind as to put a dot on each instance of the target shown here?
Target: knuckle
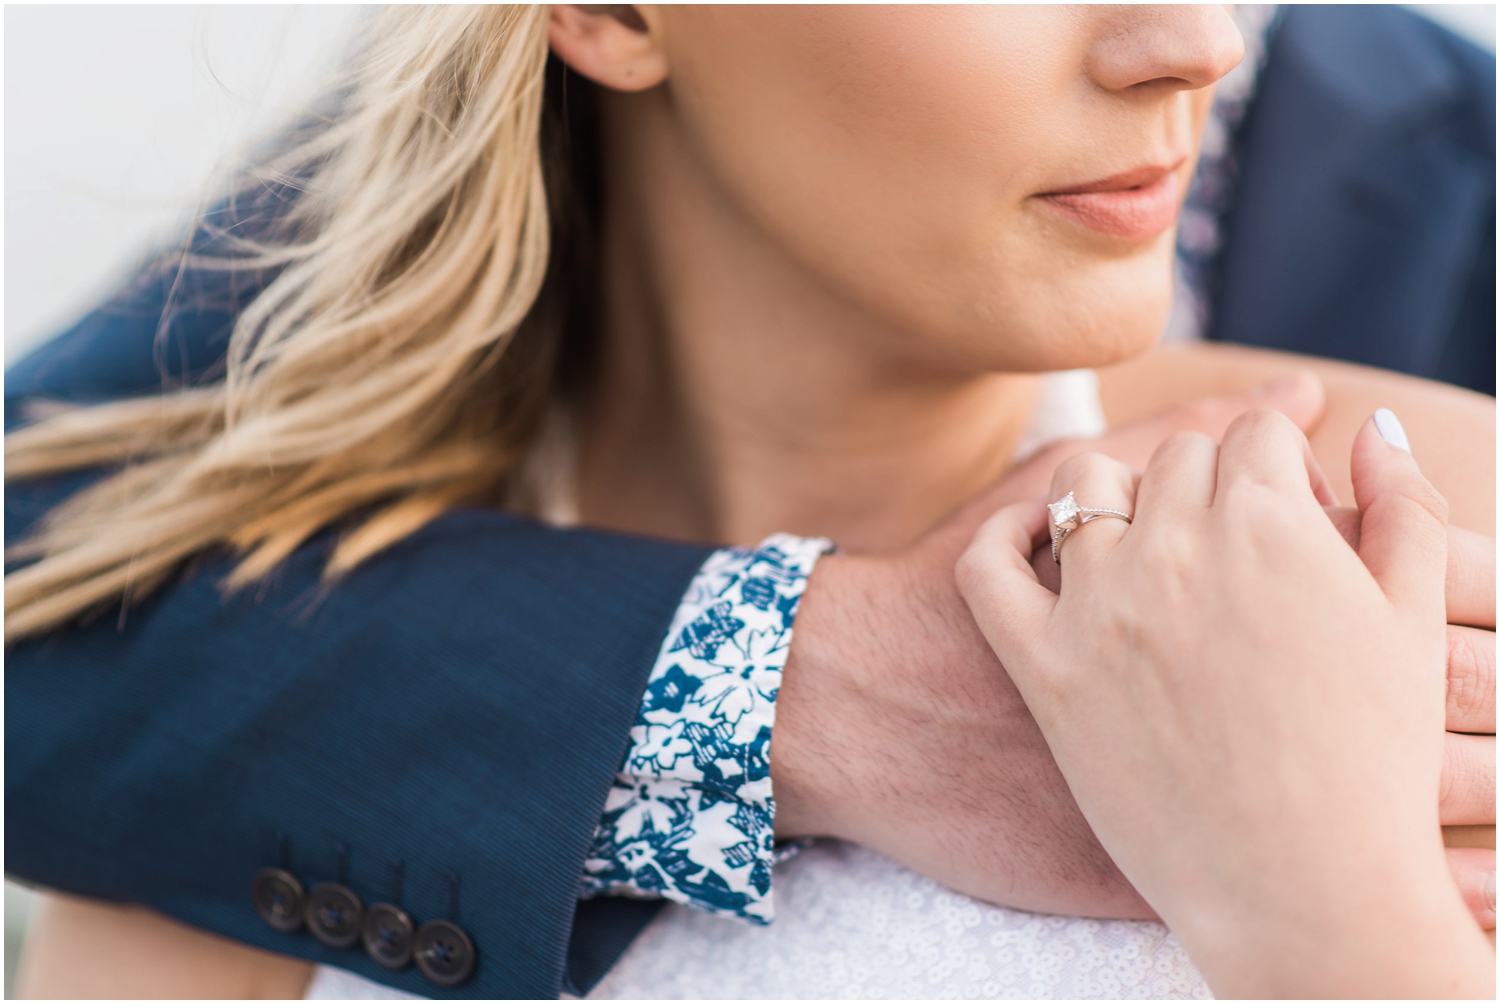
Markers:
(1263, 422)
(1466, 781)
(1471, 676)
(975, 565)
(1208, 415)
(1429, 499)
(1422, 513)
(1083, 472)
(1186, 441)
(1471, 577)
(1080, 465)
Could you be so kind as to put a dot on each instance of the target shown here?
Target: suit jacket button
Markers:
(444, 953)
(387, 933)
(333, 914)
(278, 898)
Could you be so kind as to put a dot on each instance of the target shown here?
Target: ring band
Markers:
(1068, 515)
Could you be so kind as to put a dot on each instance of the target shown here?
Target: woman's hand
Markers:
(1182, 678)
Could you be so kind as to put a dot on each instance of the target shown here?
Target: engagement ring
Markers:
(1068, 515)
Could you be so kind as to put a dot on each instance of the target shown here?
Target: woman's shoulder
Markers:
(1452, 430)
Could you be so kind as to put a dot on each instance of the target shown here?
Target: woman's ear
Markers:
(611, 44)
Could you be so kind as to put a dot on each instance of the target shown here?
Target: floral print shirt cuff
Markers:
(690, 815)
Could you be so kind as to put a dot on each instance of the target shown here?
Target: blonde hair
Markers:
(396, 366)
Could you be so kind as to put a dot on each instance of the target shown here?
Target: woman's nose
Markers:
(1170, 47)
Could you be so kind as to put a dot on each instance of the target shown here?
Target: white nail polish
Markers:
(1389, 427)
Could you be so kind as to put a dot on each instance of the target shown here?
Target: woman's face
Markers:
(1001, 183)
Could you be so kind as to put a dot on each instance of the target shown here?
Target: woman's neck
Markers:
(738, 396)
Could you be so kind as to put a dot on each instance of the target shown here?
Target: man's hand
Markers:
(1466, 804)
(898, 729)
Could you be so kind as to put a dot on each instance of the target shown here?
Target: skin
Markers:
(832, 266)
(1451, 430)
(1197, 645)
(787, 296)
(80, 948)
(892, 716)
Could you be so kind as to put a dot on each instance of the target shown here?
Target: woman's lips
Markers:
(1135, 206)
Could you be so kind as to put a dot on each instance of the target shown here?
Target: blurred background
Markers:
(116, 118)
(94, 173)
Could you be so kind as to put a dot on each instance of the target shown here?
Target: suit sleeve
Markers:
(453, 711)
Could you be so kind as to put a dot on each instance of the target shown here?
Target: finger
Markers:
(994, 575)
(1469, 591)
(1263, 448)
(1298, 395)
(1095, 482)
(1180, 475)
(1471, 680)
(1467, 794)
(1470, 587)
(1474, 871)
(1048, 572)
(1403, 538)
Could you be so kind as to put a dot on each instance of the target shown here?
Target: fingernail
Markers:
(1389, 427)
(1489, 891)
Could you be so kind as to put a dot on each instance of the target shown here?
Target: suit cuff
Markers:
(690, 816)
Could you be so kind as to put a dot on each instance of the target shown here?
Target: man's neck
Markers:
(738, 395)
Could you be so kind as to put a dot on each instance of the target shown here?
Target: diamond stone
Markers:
(1064, 510)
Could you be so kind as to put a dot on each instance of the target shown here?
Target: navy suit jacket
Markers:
(1363, 221)
(461, 702)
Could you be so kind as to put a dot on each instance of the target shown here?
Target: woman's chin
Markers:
(1068, 314)
(1071, 346)
(1118, 348)
(1127, 327)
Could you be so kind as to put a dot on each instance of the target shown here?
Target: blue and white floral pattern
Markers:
(690, 815)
